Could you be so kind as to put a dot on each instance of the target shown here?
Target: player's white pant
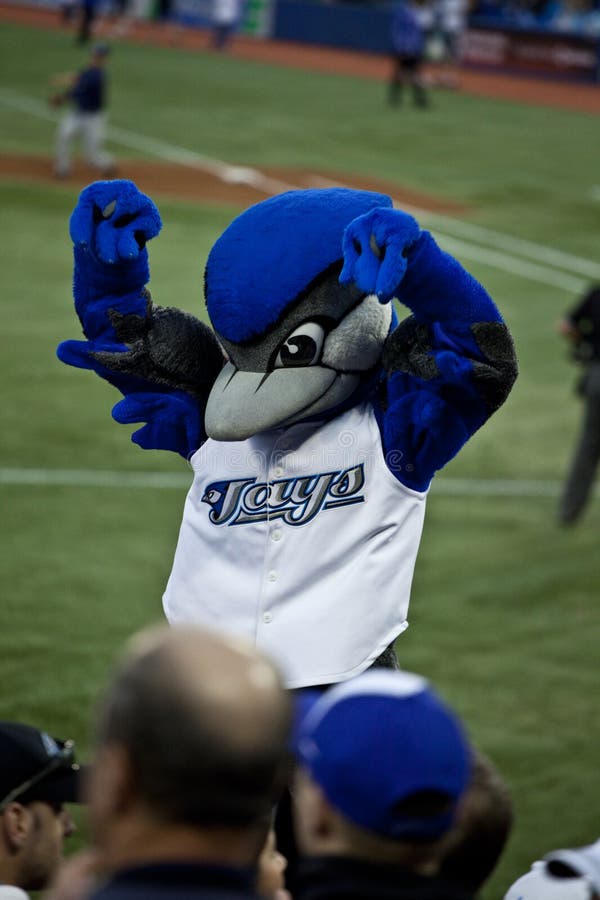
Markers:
(91, 127)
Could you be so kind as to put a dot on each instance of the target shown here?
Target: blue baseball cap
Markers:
(375, 743)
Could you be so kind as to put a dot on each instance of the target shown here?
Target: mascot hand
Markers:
(113, 220)
(375, 249)
(83, 354)
(93, 354)
(173, 421)
(166, 347)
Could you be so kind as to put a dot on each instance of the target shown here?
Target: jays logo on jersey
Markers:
(294, 500)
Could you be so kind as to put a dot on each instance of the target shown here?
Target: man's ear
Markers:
(109, 786)
(314, 817)
(17, 822)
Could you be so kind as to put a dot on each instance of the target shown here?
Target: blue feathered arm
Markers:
(163, 361)
(450, 364)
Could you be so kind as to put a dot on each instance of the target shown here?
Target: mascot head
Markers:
(298, 342)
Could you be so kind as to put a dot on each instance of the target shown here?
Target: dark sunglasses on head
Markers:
(62, 759)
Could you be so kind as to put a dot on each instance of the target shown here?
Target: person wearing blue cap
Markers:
(476, 843)
(383, 766)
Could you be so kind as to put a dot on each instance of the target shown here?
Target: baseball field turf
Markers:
(505, 612)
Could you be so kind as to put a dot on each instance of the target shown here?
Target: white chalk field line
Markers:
(181, 481)
(506, 263)
(519, 246)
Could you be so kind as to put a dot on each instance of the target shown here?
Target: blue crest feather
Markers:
(273, 250)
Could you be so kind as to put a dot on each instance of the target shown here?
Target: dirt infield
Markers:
(193, 184)
(584, 98)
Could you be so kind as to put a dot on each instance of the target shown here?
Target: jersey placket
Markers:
(275, 536)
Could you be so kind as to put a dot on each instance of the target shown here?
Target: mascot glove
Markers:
(90, 355)
(82, 354)
(173, 421)
(113, 220)
(375, 248)
(422, 432)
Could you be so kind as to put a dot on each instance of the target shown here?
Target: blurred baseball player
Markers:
(86, 92)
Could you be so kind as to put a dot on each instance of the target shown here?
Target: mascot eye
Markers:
(303, 347)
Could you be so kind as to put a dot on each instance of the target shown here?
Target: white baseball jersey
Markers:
(301, 539)
(8, 892)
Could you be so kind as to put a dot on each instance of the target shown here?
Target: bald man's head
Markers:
(204, 723)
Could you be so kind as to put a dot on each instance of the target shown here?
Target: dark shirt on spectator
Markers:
(178, 881)
(342, 878)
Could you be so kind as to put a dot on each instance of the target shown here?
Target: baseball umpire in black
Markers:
(582, 328)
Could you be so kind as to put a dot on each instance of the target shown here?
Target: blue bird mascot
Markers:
(313, 419)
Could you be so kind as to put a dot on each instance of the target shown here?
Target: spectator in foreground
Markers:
(190, 747)
(485, 820)
(561, 875)
(38, 776)
(383, 767)
(270, 881)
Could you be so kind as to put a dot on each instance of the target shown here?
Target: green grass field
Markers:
(505, 617)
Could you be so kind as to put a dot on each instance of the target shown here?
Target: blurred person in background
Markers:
(38, 776)
(86, 94)
(451, 23)
(226, 15)
(571, 16)
(88, 11)
(67, 10)
(408, 47)
(581, 327)
(190, 746)
(561, 875)
(384, 765)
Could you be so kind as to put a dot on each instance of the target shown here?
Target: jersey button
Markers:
(272, 576)
(276, 535)
(267, 617)
(278, 472)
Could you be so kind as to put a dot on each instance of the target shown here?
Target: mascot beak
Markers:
(242, 403)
